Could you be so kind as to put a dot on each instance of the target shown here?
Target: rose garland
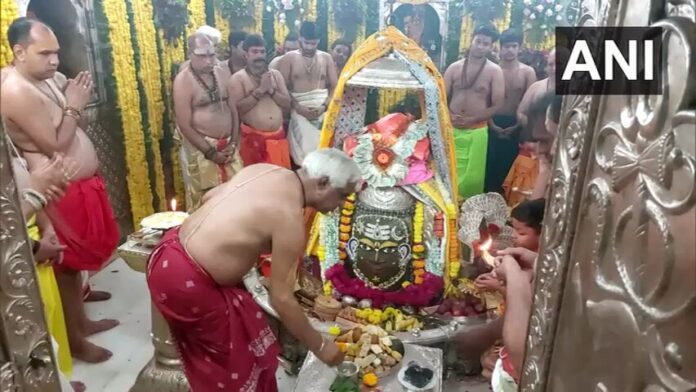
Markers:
(8, 14)
(129, 103)
(150, 74)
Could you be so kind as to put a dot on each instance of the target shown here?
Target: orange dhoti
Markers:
(258, 146)
(519, 182)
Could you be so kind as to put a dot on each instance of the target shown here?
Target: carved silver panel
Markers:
(615, 296)
(26, 361)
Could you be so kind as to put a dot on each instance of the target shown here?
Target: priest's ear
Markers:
(323, 182)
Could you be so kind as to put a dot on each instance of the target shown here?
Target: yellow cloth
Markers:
(201, 174)
(53, 306)
(520, 180)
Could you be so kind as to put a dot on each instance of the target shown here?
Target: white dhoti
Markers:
(303, 134)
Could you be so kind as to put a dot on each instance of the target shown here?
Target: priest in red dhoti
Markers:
(43, 112)
(195, 274)
(260, 96)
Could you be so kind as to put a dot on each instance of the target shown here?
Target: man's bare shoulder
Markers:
(538, 85)
(16, 91)
(275, 72)
(454, 67)
(493, 67)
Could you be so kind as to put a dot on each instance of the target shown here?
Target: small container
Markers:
(407, 387)
(348, 370)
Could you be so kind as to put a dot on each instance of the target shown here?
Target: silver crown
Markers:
(386, 199)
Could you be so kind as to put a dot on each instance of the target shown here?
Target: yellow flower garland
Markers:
(150, 77)
(129, 103)
(173, 54)
(418, 250)
(8, 14)
(224, 26)
(196, 10)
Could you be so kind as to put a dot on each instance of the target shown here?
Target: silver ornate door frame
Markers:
(25, 347)
(615, 296)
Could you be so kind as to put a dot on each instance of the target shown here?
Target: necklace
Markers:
(301, 188)
(465, 68)
(308, 69)
(212, 91)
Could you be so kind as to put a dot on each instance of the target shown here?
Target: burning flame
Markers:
(173, 204)
(486, 245)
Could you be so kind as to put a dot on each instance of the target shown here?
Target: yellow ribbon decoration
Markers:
(8, 14)
(150, 77)
(129, 102)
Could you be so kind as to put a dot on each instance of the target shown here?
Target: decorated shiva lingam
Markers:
(390, 253)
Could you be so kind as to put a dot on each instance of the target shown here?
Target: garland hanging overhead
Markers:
(8, 14)
(150, 74)
(129, 103)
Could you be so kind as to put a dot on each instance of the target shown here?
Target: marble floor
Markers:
(130, 341)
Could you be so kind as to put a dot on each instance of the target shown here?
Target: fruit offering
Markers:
(391, 319)
(467, 306)
(371, 349)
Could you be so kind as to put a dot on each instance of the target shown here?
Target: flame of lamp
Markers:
(173, 204)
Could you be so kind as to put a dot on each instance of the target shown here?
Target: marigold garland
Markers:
(224, 26)
(172, 53)
(8, 14)
(196, 9)
(129, 103)
(418, 259)
(150, 74)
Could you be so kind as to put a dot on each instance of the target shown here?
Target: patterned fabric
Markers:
(85, 223)
(201, 174)
(432, 121)
(222, 336)
(471, 146)
(351, 120)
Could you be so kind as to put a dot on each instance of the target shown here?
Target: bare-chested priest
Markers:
(503, 129)
(195, 274)
(260, 95)
(43, 113)
(475, 92)
(310, 76)
(206, 120)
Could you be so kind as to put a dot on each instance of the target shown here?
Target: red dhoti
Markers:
(264, 147)
(221, 333)
(85, 223)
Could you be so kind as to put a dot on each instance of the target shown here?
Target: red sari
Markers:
(221, 334)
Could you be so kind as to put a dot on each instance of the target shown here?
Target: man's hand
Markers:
(79, 90)
(221, 157)
(460, 121)
(505, 267)
(51, 178)
(267, 85)
(330, 354)
(230, 149)
(309, 114)
(50, 251)
(488, 282)
(525, 257)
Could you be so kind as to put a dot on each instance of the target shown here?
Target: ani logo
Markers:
(608, 60)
